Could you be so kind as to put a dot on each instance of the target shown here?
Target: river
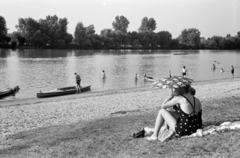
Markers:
(38, 69)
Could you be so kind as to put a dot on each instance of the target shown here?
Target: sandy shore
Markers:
(26, 114)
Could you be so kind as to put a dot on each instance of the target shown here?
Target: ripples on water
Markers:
(35, 70)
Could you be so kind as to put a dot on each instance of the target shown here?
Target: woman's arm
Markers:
(168, 99)
(170, 102)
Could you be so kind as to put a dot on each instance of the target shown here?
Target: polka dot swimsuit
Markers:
(187, 123)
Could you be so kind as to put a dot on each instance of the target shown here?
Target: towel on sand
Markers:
(214, 129)
(166, 134)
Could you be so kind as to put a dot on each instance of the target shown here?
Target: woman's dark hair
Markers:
(192, 91)
(185, 89)
(182, 90)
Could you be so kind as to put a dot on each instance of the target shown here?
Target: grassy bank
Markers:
(111, 137)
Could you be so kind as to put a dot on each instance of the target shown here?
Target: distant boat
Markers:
(8, 91)
(182, 53)
(62, 91)
(147, 78)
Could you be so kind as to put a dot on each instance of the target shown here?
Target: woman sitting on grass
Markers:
(188, 109)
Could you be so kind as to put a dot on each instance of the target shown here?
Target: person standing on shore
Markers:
(232, 70)
(78, 81)
(184, 71)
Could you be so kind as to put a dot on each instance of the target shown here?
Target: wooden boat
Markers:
(8, 91)
(150, 79)
(182, 53)
(62, 91)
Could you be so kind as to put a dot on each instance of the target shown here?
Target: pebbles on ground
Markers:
(14, 119)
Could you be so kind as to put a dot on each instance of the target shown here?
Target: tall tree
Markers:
(52, 30)
(238, 34)
(14, 35)
(105, 33)
(3, 30)
(212, 45)
(190, 37)
(120, 24)
(27, 27)
(143, 27)
(219, 41)
(134, 39)
(174, 44)
(79, 34)
(85, 36)
(89, 36)
(147, 25)
(164, 39)
(107, 37)
(151, 25)
(40, 39)
(144, 40)
(90, 30)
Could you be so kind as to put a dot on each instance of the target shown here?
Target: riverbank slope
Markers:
(101, 125)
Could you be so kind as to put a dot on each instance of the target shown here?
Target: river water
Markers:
(36, 69)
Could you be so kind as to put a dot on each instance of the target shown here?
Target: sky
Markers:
(210, 17)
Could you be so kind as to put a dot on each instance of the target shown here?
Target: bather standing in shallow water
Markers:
(184, 71)
(232, 70)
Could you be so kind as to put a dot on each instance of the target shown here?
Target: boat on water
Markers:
(62, 91)
(9, 91)
(150, 79)
(182, 53)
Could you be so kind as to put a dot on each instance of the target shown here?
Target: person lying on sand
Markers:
(187, 107)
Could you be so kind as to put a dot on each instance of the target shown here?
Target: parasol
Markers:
(172, 82)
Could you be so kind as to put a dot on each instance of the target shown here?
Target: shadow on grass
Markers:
(112, 137)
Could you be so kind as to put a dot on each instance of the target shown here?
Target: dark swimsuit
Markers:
(187, 123)
(232, 71)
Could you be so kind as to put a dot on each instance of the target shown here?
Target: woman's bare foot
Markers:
(152, 138)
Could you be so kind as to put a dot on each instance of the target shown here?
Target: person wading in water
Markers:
(184, 71)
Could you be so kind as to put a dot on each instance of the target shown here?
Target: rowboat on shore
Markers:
(8, 91)
(150, 79)
(62, 91)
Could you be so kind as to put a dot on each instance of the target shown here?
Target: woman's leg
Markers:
(163, 115)
(149, 130)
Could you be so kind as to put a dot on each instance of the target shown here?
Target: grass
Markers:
(112, 137)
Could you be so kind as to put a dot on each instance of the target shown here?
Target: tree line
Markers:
(51, 32)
